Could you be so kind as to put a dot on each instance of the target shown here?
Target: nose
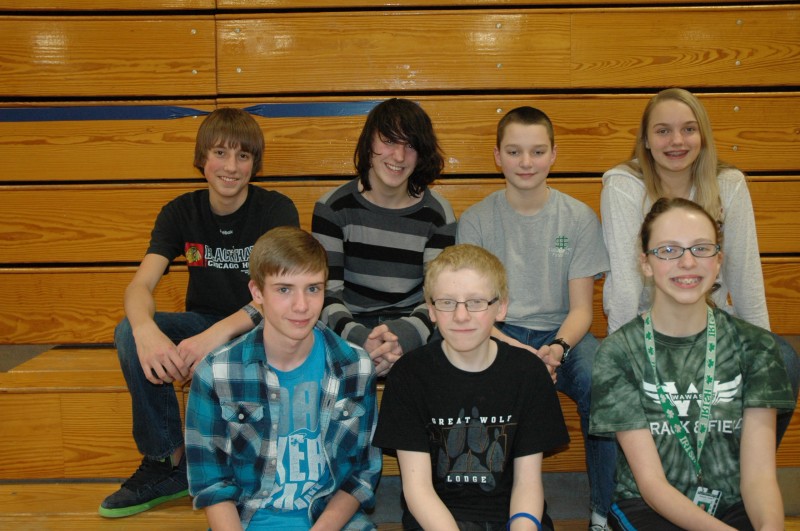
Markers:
(230, 162)
(300, 303)
(461, 313)
(687, 259)
(526, 161)
(399, 152)
(676, 137)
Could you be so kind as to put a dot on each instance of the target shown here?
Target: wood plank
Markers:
(58, 506)
(694, 46)
(350, 51)
(83, 305)
(105, 5)
(90, 301)
(107, 56)
(782, 286)
(334, 52)
(26, 453)
(119, 149)
(54, 506)
(35, 220)
(756, 132)
(330, 4)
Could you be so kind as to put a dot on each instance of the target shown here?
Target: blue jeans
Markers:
(157, 426)
(575, 381)
(792, 363)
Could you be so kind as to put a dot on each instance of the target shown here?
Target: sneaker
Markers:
(598, 527)
(154, 482)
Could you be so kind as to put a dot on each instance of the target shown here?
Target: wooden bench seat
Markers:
(111, 224)
(58, 505)
(89, 301)
(335, 52)
(113, 57)
(315, 137)
(75, 245)
(79, 396)
(186, 5)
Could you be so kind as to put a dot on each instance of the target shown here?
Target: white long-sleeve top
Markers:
(623, 205)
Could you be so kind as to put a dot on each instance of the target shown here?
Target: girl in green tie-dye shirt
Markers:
(691, 393)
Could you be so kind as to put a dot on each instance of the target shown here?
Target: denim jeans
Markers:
(792, 363)
(157, 426)
(575, 381)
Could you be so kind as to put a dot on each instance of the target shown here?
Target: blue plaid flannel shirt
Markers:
(231, 438)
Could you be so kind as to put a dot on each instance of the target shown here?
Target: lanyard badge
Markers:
(705, 498)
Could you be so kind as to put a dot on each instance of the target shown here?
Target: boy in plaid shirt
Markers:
(279, 421)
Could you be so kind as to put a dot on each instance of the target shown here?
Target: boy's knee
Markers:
(123, 338)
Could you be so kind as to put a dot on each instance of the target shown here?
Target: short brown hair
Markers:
(526, 116)
(468, 256)
(664, 205)
(286, 250)
(234, 128)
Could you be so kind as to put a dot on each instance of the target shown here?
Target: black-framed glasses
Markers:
(472, 305)
(673, 252)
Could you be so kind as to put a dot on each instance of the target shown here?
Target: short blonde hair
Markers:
(468, 256)
(286, 250)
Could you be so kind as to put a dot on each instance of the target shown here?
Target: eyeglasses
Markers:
(673, 252)
(472, 305)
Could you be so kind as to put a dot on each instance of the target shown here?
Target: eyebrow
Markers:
(517, 146)
(660, 124)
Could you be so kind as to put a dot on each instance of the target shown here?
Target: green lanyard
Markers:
(670, 411)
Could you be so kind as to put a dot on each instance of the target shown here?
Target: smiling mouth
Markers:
(676, 154)
(687, 282)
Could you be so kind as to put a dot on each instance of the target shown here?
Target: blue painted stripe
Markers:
(312, 109)
(104, 112)
(166, 112)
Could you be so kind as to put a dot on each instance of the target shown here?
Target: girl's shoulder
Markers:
(623, 175)
(729, 175)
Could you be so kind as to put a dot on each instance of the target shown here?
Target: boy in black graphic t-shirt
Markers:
(468, 416)
(214, 229)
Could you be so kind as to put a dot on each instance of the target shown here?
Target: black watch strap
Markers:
(566, 346)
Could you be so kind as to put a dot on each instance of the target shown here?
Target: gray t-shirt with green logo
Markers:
(749, 373)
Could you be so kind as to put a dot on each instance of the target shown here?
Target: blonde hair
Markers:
(468, 256)
(286, 250)
(704, 170)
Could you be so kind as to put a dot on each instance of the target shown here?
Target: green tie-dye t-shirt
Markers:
(749, 373)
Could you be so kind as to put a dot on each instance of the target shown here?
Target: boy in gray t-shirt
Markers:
(552, 247)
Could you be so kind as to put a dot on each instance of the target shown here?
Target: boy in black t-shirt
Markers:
(215, 229)
(469, 416)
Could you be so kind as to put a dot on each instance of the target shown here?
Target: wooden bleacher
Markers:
(101, 100)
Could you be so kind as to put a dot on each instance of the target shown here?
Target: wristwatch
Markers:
(564, 345)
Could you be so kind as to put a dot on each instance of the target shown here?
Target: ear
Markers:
(497, 157)
(553, 154)
(258, 298)
(647, 270)
(431, 312)
(502, 310)
(720, 256)
(646, 143)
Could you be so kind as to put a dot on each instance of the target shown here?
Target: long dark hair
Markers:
(401, 120)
